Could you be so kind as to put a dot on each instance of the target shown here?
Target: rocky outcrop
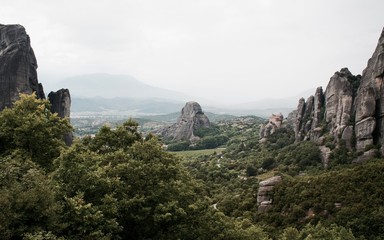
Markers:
(61, 104)
(264, 200)
(17, 66)
(369, 103)
(274, 123)
(191, 119)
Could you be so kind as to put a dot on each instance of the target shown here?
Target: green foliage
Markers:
(31, 127)
(281, 138)
(348, 197)
(300, 156)
(134, 190)
(207, 131)
(211, 142)
(268, 163)
(27, 197)
(120, 185)
(341, 155)
(179, 146)
(109, 140)
(318, 231)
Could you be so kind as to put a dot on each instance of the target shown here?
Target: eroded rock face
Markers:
(306, 120)
(331, 110)
(191, 119)
(264, 200)
(370, 102)
(339, 102)
(17, 66)
(61, 104)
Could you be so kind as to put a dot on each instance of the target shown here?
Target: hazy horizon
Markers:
(221, 50)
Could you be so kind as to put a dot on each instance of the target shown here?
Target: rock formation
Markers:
(17, 66)
(309, 115)
(264, 200)
(274, 122)
(191, 119)
(61, 104)
(339, 102)
(351, 109)
(331, 111)
(369, 105)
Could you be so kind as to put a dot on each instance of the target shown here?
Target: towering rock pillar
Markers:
(369, 104)
(339, 96)
(61, 104)
(17, 66)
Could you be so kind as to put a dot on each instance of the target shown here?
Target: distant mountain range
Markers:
(117, 86)
(124, 95)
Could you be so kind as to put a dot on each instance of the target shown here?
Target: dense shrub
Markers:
(179, 146)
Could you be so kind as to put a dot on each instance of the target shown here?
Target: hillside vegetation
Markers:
(122, 185)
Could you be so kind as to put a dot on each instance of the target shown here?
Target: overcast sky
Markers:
(226, 50)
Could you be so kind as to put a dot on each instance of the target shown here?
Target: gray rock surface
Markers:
(299, 120)
(369, 103)
(264, 200)
(331, 111)
(339, 101)
(191, 119)
(61, 104)
(17, 66)
(318, 107)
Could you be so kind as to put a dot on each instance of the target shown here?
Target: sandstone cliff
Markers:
(17, 65)
(191, 119)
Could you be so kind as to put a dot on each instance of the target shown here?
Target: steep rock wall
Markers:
(369, 103)
(17, 66)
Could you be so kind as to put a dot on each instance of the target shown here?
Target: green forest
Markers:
(122, 184)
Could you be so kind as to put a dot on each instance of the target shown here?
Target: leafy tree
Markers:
(109, 140)
(133, 189)
(31, 127)
(179, 146)
(27, 197)
(319, 232)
